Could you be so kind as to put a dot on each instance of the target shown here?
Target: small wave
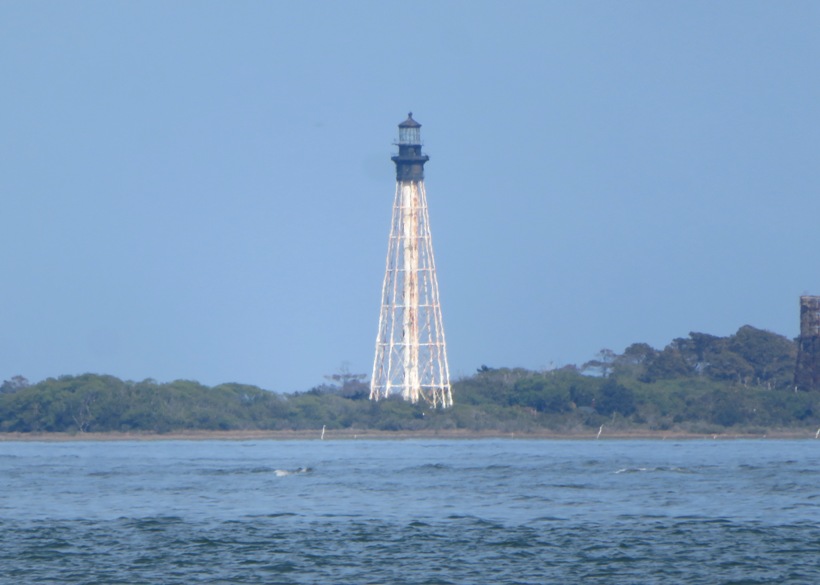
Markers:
(430, 467)
(259, 470)
(531, 498)
(547, 519)
(151, 523)
(283, 567)
(238, 471)
(494, 467)
(418, 524)
(286, 472)
(653, 469)
(476, 520)
(103, 474)
(658, 517)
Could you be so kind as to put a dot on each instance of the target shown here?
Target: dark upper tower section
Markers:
(410, 161)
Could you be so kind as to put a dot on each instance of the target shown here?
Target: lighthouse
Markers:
(411, 352)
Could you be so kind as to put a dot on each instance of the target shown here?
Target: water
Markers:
(410, 512)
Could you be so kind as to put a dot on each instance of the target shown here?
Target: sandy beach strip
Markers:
(368, 434)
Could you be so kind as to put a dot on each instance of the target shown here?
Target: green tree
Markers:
(541, 393)
(727, 365)
(772, 357)
(13, 385)
(615, 398)
(602, 364)
(669, 363)
(634, 360)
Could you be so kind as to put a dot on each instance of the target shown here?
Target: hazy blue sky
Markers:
(202, 190)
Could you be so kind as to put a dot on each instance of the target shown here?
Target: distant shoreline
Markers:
(350, 434)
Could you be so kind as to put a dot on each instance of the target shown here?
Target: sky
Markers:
(203, 190)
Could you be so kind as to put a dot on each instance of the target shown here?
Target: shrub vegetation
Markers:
(701, 383)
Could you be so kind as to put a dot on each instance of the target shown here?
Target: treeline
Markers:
(750, 357)
(701, 383)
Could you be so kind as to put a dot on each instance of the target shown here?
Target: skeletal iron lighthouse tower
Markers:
(411, 355)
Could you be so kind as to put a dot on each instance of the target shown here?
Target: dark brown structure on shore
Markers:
(807, 372)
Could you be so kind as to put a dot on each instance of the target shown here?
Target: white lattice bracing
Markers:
(411, 353)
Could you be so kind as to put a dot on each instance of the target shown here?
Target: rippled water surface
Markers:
(414, 511)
